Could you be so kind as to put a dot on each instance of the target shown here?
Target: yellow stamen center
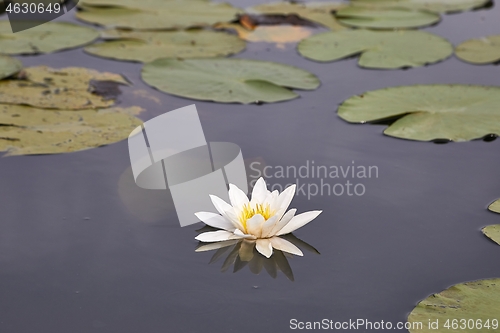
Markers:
(248, 212)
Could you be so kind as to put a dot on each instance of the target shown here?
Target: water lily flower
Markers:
(261, 219)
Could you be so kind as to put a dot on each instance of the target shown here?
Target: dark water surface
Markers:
(79, 253)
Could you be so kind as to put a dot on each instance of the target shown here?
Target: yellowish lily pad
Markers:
(429, 112)
(228, 80)
(26, 130)
(9, 66)
(385, 18)
(480, 51)
(439, 6)
(495, 207)
(167, 15)
(45, 38)
(492, 232)
(66, 88)
(318, 12)
(147, 46)
(378, 49)
(478, 301)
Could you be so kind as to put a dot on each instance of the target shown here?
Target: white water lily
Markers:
(261, 219)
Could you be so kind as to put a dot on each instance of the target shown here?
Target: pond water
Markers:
(83, 250)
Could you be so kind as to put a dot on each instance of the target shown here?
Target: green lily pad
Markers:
(378, 49)
(46, 38)
(438, 6)
(27, 130)
(67, 88)
(495, 207)
(429, 112)
(385, 18)
(167, 15)
(478, 301)
(319, 12)
(492, 232)
(147, 46)
(228, 80)
(480, 51)
(9, 66)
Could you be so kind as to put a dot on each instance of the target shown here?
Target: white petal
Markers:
(219, 204)
(237, 197)
(216, 245)
(299, 221)
(281, 223)
(264, 246)
(259, 192)
(285, 198)
(216, 236)
(285, 246)
(216, 221)
(240, 233)
(268, 225)
(254, 225)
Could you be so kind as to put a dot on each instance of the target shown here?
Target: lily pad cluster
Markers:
(493, 231)
(50, 111)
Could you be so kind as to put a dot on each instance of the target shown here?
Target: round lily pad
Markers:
(429, 112)
(439, 6)
(147, 46)
(318, 12)
(385, 18)
(46, 38)
(464, 307)
(495, 206)
(228, 80)
(378, 49)
(28, 130)
(9, 66)
(480, 51)
(66, 88)
(167, 15)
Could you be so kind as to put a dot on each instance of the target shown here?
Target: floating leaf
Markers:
(45, 38)
(134, 4)
(378, 49)
(495, 207)
(228, 80)
(477, 300)
(167, 15)
(480, 51)
(27, 130)
(319, 12)
(385, 18)
(492, 232)
(438, 6)
(429, 112)
(278, 34)
(148, 46)
(9, 66)
(67, 88)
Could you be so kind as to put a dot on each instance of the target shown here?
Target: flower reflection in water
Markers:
(239, 253)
